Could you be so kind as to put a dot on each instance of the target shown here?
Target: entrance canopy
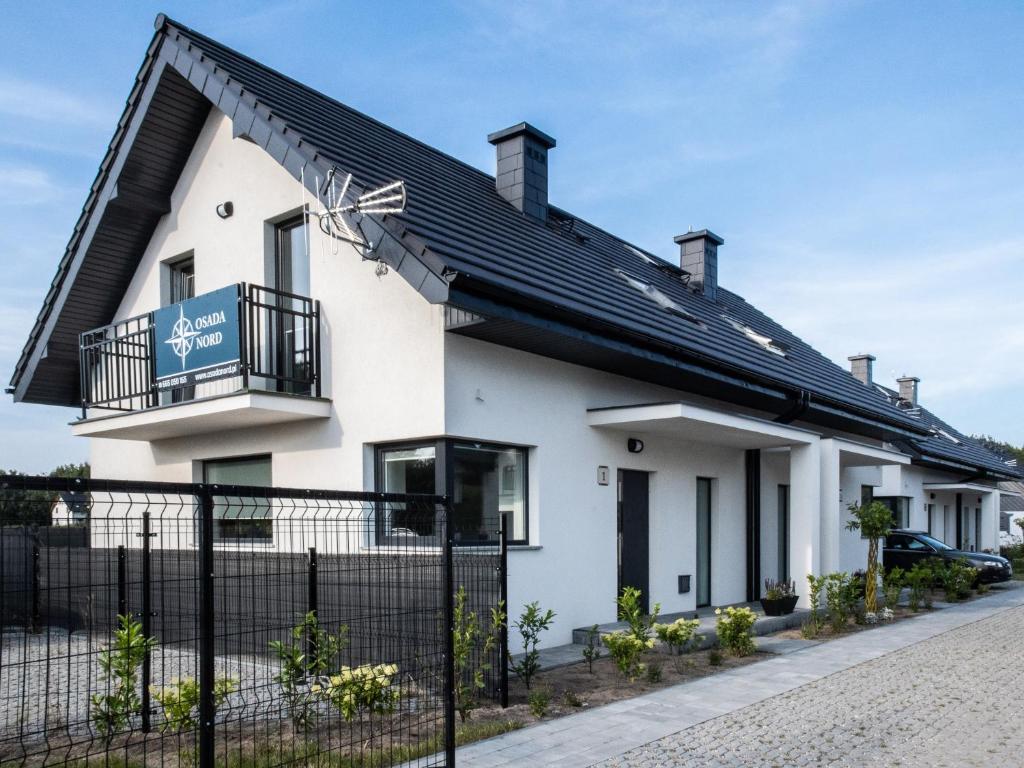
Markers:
(853, 454)
(959, 487)
(684, 421)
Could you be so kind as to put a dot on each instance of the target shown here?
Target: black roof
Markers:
(458, 242)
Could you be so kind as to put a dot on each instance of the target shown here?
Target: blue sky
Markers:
(862, 160)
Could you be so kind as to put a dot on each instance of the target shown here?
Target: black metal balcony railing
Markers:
(279, 339)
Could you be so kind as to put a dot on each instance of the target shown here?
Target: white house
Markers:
(640, 424)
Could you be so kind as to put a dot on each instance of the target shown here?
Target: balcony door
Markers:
(290, 348)
(182, 286)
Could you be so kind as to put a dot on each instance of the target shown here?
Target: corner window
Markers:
(483, 482)
(240, 519)
(900, 508)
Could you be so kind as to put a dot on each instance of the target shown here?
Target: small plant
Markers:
(887, 615)
(311, 654)
(592, 648)
(957, 579)
(652, 673)
(467, 634)
(841, 600)
(679, 636)
(626, 651)
(539, 702)
(778, 590)
(918, 581)
(815, 588)
(874, 521)
(119, 668)
(367, 688)
(571, 699)
(530, 624)
(870, 618)
(892, 586)
(734, 630)
(715, 657)
(180, 701)
(631, 612)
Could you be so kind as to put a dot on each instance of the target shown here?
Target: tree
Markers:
(22, 507)
(874, 521)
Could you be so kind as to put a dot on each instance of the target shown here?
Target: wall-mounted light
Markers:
(633, 445)
(226, 209)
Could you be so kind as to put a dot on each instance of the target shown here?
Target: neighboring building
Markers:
(70, 508)
(638, 422)
(1011, 505)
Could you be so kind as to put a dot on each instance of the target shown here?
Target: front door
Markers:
(703, 541)
(634, 533)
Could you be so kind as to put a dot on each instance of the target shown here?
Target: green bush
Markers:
(629, 611)
(679, 636)
(539, 702)
(1018, 565)
(735, 626)
(367, 688)
(815, 588)
(180, 701)
(715, 657)
(841, 594)
(919, 581)
(592, 648)
(892, 585)
(310, 654)
(957, 579)
(626, 651)
(120, 665)
(653, 673)
(467, 635)
(530, 624)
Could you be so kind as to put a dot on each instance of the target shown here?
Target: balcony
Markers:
(241, 356)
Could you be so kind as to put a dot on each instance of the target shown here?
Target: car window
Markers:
(896, 542)
(916, 545)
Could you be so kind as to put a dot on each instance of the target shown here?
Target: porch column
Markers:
(831, 506)
(804, 514)
(988, 536)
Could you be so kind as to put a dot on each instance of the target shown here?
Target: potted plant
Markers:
(779, 597)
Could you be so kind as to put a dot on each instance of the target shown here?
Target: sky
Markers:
(862, 160)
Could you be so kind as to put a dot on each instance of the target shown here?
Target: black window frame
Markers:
(894, 503)
(444, 478)
(259, 542)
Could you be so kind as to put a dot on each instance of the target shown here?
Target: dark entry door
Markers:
(703, 541)
(634, 533)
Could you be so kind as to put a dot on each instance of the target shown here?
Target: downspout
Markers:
(802, 403)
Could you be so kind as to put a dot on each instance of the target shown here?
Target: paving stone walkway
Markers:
(941, 689)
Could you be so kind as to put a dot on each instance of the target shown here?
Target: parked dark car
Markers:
(907, 548)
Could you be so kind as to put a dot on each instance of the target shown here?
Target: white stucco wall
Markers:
(382, 343)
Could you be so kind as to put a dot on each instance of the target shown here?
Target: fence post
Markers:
(311, 600)
(449, 639)
(503, 597)
(36, 623)
(207, 711)
(147, 620)
(122, 581)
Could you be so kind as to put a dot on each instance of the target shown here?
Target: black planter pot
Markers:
(780, 606)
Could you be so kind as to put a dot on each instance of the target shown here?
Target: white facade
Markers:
(391, 374)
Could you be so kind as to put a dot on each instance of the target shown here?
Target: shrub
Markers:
(841, 599)
(310, 654)
(919, 580)
(874, 521)
(777, 590)
(715, 657)
(957, 580)
(367, 688)
(679, 636)
(652, 674)
(571, 699)
(466, 636)
(631, 613)
(734, 630)
(119, 668)
(180, 701)
(530, 624)
(539, 701)
(592, 648)
(892, 586)
(626, 650)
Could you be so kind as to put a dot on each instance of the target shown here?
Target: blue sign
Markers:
(197, 340)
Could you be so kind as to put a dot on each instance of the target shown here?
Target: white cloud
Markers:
(27, 185)
(28, 100)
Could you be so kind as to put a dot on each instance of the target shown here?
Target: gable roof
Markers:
(560, 289)
(945, 447)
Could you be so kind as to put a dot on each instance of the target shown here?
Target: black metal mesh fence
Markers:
(162, 624)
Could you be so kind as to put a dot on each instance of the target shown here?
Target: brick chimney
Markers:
(522, 174)
(698, 255)
(861, 367)
(908, 389)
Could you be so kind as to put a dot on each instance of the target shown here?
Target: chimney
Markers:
(861, 368)
(698, 255)
(908, 389)
(522, 175)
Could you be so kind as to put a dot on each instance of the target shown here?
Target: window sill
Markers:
(524, 547)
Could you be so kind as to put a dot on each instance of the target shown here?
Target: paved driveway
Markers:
(953, 700)
(942, 689)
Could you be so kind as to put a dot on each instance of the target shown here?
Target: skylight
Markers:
(765, 342)
(658, 297)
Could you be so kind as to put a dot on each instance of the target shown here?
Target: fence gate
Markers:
(203, 625)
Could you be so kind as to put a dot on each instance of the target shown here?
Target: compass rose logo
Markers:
(181, 336)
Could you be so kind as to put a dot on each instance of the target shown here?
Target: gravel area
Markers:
(953, 700)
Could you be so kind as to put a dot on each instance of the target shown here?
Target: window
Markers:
(291, 351)
(483, 481)
(929, 510)
(900, 508)
(240, 519)
(783, 533)
(182, 280)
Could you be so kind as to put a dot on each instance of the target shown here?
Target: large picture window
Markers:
(240, 519)
(900, 507)
(483, 481)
